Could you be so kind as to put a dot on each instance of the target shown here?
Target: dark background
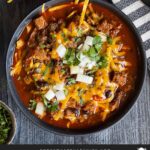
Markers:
(133, 129)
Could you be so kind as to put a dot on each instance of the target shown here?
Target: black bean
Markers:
(108, 93)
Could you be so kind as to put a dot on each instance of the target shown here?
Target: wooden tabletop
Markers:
(134, 128)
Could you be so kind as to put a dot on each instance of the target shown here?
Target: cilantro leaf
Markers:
(32, 104)
(109, 40)
(103, 62)
(71, 58)
(98, 46)
(5, 124)
(42, 46)
(45, 101)
(55, 106)
(97, 42)
(71, 81)
(79, 32)
(92, 52)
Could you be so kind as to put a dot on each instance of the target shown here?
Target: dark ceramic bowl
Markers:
(14, 125)
(119, 114)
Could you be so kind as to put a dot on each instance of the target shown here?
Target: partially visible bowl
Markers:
(13, 119)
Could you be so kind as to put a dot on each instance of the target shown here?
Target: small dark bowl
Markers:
(14, 125)
(119, 114)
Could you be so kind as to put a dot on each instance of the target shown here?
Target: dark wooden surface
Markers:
(134, 128)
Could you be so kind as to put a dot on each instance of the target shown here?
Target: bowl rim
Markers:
(72, 132)
(14, 123)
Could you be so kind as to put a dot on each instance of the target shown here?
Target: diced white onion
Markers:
(60, 95)
(86, 62)
(89, 40)
(84, 79)
(76, 70)
(40, 109)
(103, 36)
(86, 47)
(61, 50)
(49, 95)
(59, 86)
(81, 56)
(91, 64)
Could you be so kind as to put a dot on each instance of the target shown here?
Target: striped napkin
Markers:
(139, 13)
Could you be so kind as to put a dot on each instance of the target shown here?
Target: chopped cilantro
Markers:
(45, 101)
(63, 71)
(42, 46)
(34, 79)
(50, 107)
(5, 124)
(97, 42)
(91, 72)
(64, 37)
(79, 31)
(53, 36)
(109, 40)
(66, 92)
(92, 52)
(71, 58)
(62, 34)
(98, 46)
(77, 39)
(81, 101)
(80, 92)
(55, 106)
(76, 61)
(102, 63)
(71, 81)
(32, 104)
(78, 55)
(46, 70)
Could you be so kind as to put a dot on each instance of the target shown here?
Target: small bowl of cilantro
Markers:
(7, 124)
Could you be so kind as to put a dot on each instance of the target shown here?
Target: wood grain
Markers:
(134, 128)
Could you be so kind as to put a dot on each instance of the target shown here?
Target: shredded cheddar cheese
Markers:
(57, 7)
(16, 69)
(85, 5)
(76, 1)
(43, 7)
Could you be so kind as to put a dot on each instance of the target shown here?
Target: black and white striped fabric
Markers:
(139, 13)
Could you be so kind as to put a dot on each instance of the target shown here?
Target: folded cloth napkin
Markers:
(139, 13)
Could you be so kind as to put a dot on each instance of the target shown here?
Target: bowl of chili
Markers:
(141, 71)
